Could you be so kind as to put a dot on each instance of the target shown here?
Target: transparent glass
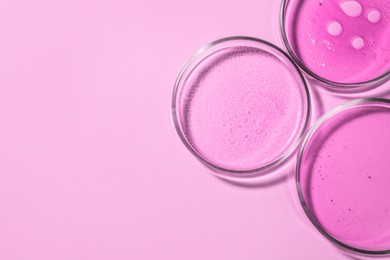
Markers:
(343, 44)
(241, 106)
(343, 173)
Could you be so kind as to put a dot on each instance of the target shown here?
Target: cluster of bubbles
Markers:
(353, 9)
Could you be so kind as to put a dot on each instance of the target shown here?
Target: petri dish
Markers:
(343, 176)
(240, 105)
(342, 43)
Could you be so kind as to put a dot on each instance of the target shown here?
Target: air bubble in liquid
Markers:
(357, 42)
(351, 8)
(373, 16)
(335, 28)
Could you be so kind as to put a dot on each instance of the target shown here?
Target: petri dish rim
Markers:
(232, 172)
(332, 85)
(329, 115)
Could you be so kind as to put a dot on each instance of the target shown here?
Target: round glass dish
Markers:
(342, 43)
(343, 176)
(240, 105)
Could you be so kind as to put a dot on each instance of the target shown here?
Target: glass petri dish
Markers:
(240, 105)
(343, 176)
(342, 43)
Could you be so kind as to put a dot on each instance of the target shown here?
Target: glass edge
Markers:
(255, 171)
(312, 131)
(354, 87)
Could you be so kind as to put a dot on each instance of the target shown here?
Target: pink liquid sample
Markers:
(242, 108)
(344, 41)
(345, 177)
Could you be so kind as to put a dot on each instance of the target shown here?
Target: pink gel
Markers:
(361, 52)
(345, 177)
(242, 108)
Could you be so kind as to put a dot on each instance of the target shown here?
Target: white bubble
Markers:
(335, 28)
(373, 16)
(351, 8)
(357, 42)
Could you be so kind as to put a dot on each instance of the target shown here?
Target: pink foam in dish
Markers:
(344, 176)
(340, 41)
(241, 105)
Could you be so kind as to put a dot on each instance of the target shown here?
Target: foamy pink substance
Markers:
(345, 177)
(312, 28)
(242, 108)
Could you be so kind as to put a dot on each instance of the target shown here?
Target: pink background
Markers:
(90, 164)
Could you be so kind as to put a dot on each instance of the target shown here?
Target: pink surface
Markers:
(358, 51)
(345, 180)
(91, 166)
(243, 108)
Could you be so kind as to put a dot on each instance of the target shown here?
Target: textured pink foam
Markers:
(243, 108)
(345, 177)
(334, 57)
